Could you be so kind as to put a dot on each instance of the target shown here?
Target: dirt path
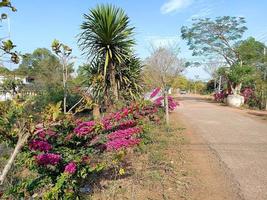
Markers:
(235, 146)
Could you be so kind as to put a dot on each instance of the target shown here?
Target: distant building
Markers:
(7, 95)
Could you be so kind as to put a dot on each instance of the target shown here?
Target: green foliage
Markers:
(4, 71)
(106, 34)
(238, 74)
(43, 67)
(209, 37)
(7, 46)
(11, 114)
(129, 78)
(53, 95)
(251, 51)
(180, 82)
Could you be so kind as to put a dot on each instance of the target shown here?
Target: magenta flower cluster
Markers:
(39, 145)
(154, 93)
(84, 128)
(220, 96)
(126, 133)
(121, 143)
(247, 93)
(48, 159)
(171, 102)
(70, 168)
(43, 133)
(127, 124)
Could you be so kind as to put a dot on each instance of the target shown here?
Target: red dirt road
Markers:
(237, 140)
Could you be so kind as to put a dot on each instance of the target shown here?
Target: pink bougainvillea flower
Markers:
(248, 93)
(121, 143)
(39, 145)
(127, 124)
(70, 168)
(84, 128)
(158, 101)
(171, 102)
(107, 124)
(220, 96)
(126, 133)
(42, 133)
(48, 159)
(154, 93)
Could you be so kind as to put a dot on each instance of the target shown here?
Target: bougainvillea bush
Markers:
(250, 97)
(158, 100)
(61, 154)
(220, 96)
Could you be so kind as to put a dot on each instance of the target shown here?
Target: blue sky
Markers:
(157, 22)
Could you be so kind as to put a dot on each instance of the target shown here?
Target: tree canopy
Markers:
(209, 37)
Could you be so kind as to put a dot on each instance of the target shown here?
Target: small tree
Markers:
(63, 52)
(165, 65)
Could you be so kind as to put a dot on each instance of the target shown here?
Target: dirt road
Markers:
(237, 140)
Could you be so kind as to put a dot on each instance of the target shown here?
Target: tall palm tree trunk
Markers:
(113, 84)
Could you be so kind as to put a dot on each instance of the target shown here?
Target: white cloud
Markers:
(175, 5)
(200, 14)
(159, 41)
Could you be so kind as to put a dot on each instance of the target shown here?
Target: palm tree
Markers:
(106, 34)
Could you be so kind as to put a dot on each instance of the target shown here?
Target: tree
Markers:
(129, 81)
(63, 52)
(107, 35)
(165, 64)
(7, 46)
(44, 67)
(180, 82)
(253, 53)
(215, 37)
(218, 37)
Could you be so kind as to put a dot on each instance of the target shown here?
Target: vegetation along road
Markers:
(238, 140)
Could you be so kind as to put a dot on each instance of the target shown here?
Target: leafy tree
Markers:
(180, 82)
(220, 37)
(208, 37)
(44, 67)
(251, 51)
(107, 35)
